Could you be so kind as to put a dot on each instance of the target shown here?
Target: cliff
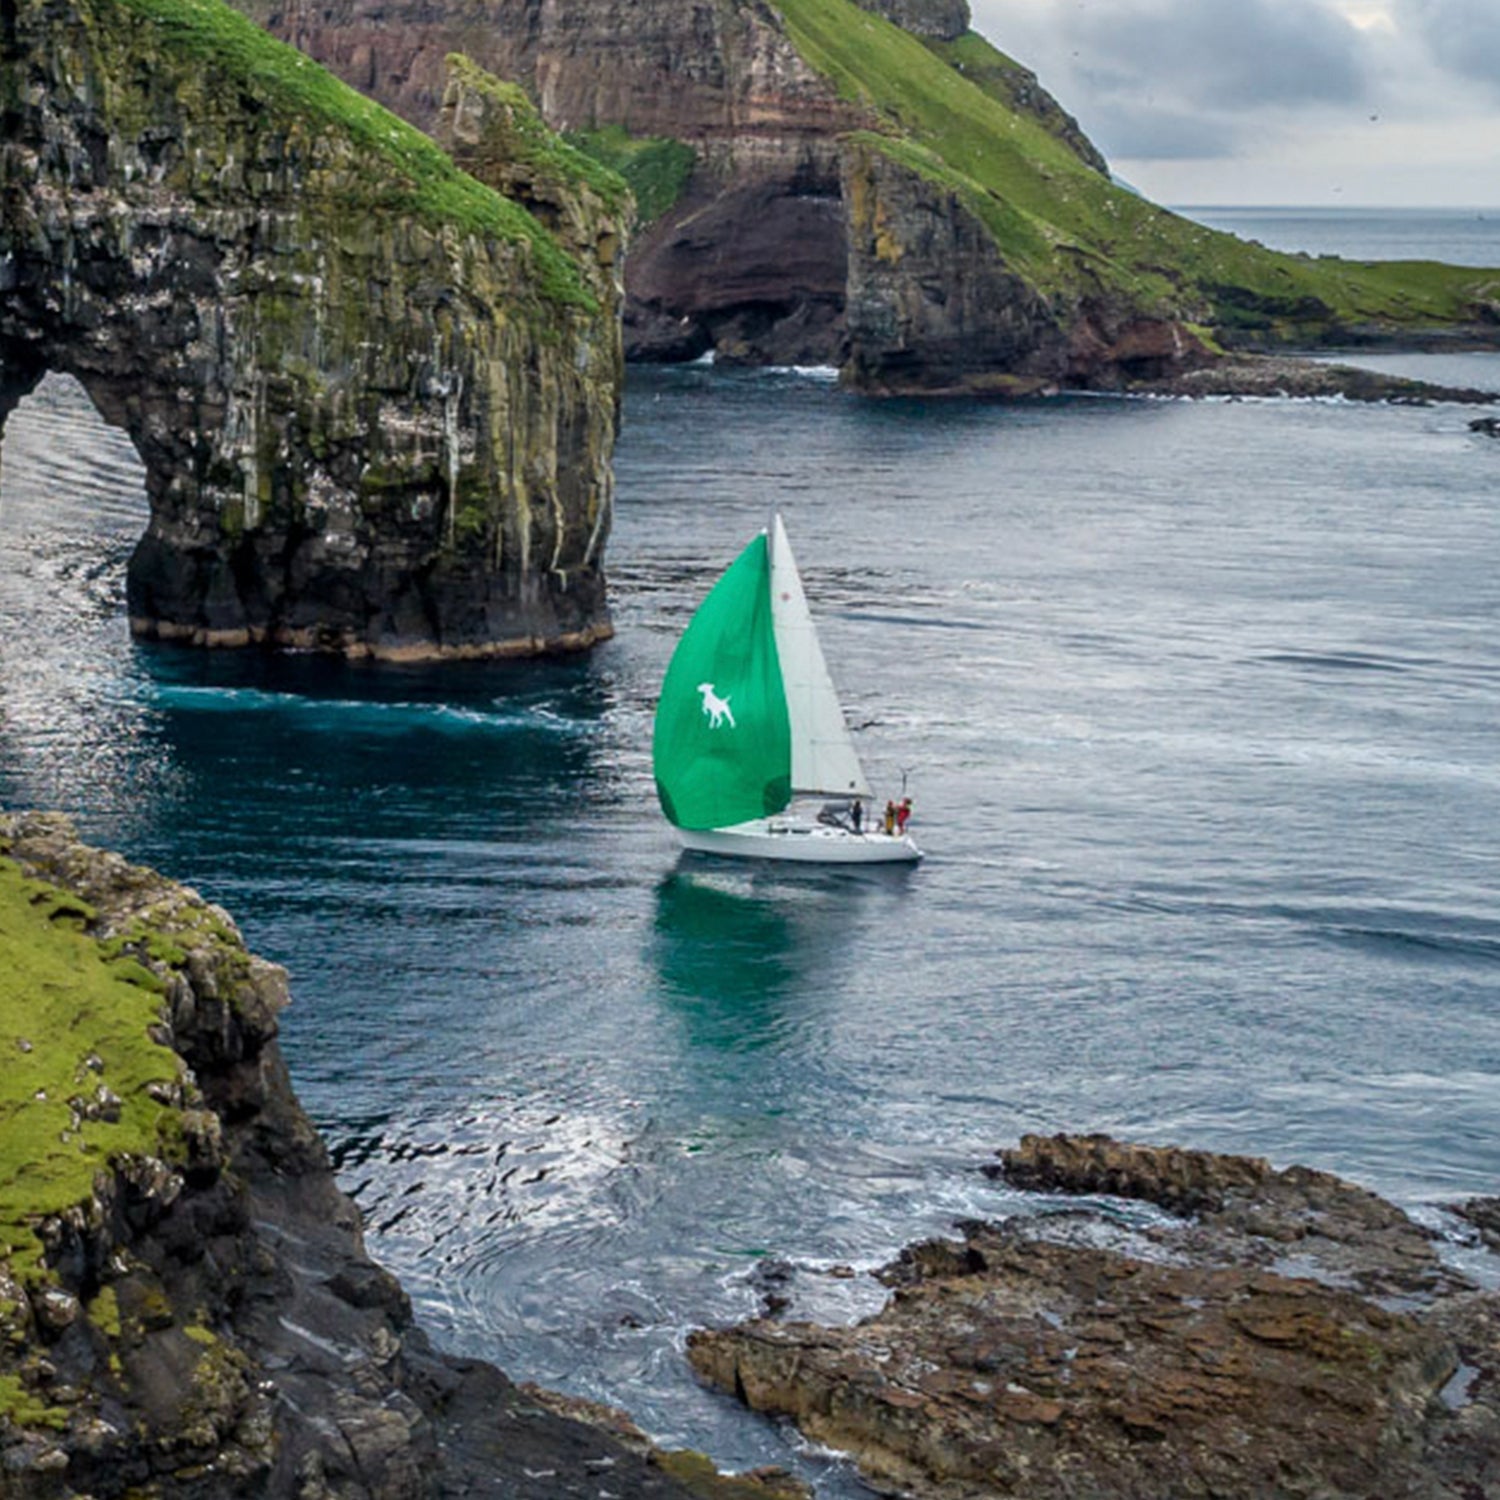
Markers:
(876, 186)
(375, 400)
(186, 1308)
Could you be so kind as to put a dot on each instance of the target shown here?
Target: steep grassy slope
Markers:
(1071, 231)
(657, 168)
(1015, 87)
(251, 69)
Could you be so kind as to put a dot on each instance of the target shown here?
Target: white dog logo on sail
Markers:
(715, 707)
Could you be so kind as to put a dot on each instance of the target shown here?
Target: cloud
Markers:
(1462, 35)
(1230, 54)
(1160, 134)
(1273, 101)
(1186, 79)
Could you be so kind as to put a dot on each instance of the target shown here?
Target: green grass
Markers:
(656, 167)
(1067, 227)
(64, 1002)
(408, 172)
(528, 139)
(1012, 86)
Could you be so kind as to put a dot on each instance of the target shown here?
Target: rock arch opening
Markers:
(63, 466)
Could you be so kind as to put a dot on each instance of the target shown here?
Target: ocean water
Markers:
(1459, 236)
(1197, 704)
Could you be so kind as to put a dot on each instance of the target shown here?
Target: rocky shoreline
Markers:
(206, 1323)
(1288, 377)
(1240, 376)
(1174, 1324)
(200, 1320)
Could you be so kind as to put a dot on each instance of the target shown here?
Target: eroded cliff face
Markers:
(376, 402)
(750, 259)
(934, 304)
(187, 1311)
(753, 260)
(929, 292)
(944, 19)
(1009, 260)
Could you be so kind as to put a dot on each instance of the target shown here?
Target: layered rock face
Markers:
(929, 292)
(945, 19)
(878, 187)
(376, 403)
(751, 259)
(1231, 1330)
(755, 261)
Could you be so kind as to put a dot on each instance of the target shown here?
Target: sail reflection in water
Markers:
(734, 951)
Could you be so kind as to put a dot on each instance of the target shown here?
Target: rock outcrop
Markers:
(749, 259)
(186, 1308)
(947, 20)
(875, 186)
(1297, 1336)
(376, 401)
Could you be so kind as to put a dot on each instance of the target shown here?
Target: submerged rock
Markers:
(1269, 375)
(1296, 1336)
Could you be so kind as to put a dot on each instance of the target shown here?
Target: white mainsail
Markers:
(824, 761)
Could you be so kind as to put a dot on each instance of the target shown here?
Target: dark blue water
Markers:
(1197, 702)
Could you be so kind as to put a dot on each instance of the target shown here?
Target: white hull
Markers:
(804, 840)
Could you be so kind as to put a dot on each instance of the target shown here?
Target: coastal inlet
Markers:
(1196, 705)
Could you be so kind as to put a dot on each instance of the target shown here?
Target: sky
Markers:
(1356, 103)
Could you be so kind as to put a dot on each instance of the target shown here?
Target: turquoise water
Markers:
(1197, 704)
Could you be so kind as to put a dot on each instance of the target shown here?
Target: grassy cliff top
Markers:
(532, 144)
(408, 172)
(1067, 226)
(74, 1021)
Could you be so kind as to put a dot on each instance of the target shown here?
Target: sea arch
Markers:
(375, 401)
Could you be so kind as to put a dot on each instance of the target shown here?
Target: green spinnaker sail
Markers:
(722, 749)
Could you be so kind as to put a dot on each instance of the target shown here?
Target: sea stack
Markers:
(376, 401)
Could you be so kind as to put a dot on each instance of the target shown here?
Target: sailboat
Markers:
(751, 752)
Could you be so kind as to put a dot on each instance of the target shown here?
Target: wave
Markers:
(804, 372)
(1354, 661)
(396, 715)
(1486, 950)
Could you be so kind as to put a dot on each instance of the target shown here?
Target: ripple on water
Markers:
(1196, 703)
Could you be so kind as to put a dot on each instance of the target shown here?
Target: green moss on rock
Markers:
(408, 173)
(289, 291)
(75, 1025)
(532, 145)
(24, 1408)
